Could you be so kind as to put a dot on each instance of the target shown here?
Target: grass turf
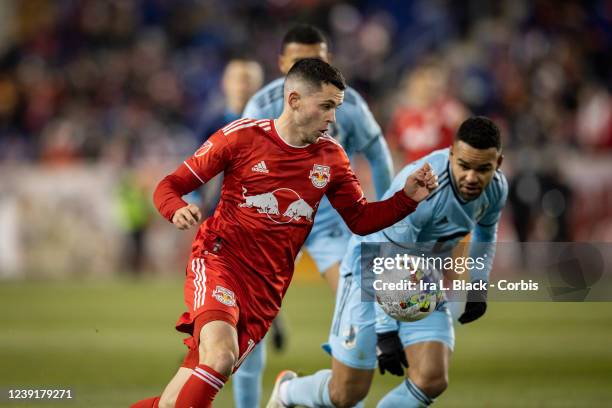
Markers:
(113, 343)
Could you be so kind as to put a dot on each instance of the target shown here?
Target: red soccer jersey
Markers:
(270, 194)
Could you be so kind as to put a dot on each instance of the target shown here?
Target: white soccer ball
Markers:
(410, 304)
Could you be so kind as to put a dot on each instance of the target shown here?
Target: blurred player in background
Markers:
(135, 213)
(470, 197)
(276, 174)
(427, 115)
(357, 131)
(241, 78)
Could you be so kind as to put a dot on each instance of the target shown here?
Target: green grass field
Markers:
(113, 343)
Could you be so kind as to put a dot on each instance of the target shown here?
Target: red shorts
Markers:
(213, 293)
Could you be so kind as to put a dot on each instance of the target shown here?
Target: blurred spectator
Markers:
(241, 79)
(594, 118)
(540, 199)
(85, 80)
(135, 84)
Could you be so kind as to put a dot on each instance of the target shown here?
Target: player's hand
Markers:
(390, 353)
(186, 217)
(420, 183)
(476, 305)
(279, 333)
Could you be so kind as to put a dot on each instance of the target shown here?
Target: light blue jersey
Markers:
(444, 217)
(357, 131)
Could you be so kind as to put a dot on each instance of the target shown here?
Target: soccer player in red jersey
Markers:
(275, 174)
(428, 116)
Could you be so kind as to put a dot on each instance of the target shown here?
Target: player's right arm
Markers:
(209, 160)
(482, 245)
(364, 218)
(260, 105)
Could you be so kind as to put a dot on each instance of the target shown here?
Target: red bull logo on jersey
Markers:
(299, 209)
(293, 207)
(319, 175)
(265, 203)
(224, 296)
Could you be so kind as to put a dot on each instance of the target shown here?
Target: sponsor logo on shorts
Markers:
(350, 337)
(319, 175)
(224, 296)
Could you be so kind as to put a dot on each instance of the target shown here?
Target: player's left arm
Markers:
(253, 111)
(379, 158)
(482, 246)
(369, 140)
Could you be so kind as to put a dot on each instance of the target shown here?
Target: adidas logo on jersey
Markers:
(444, 220)
(260, 167)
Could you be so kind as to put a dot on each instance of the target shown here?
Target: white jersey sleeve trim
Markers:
(264, 124)
(328, 138)
(235, 123)
(242, 126)
(361, 197)
(193, 172)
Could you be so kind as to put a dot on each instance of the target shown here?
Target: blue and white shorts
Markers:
(352, 336)
(327, 246)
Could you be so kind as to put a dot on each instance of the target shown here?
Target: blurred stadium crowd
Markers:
(133, 84)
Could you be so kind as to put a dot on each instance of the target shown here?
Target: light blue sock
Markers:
(246, 381)
(405, 395)
(310, 391)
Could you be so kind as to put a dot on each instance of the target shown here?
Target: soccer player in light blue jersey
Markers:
(357, 131)
(471, 194)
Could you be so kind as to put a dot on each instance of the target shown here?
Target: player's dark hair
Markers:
(479, 132)
(317, 72)
(303, 34)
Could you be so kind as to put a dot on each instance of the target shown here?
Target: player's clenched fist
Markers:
(186, 217)
(420, 183)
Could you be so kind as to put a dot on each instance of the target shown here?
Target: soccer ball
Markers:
(410, 302)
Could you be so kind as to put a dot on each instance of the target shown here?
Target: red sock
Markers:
(201, 388)
(147, 403)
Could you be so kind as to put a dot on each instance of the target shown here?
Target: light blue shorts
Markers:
(327, 246)
(352, 336)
